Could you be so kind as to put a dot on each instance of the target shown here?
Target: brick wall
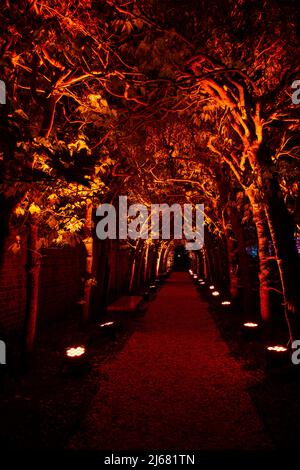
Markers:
(12, 287)
(62, 270)
(60, 284)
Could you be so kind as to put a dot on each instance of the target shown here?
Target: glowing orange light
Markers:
(251, 325)
(277, 348)
(75, 352)
(211, 287)
(226, 302)
(215, 293)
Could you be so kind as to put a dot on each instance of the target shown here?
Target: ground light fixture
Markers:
(109, 329)
(75, 360)
(202, 283)
(215, 293)
(107, 324)
(278, 357)
(191, 272)
(250, 325)
(251, 330)
(75, 352)
(211, 287)
(195, 276)
(277, 349)
(226, 303)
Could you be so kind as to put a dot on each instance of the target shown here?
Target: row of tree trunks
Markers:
(237, 260)
(274, 222)
(282, 231)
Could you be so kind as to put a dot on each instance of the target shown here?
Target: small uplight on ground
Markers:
(215, 293)
(278, 357)
(153, 288)
(75, 360)
(277, 349)
(226, 303)
(107, 324)
(202, 283)
(250, 325)
(109, 329)
(75, 352)
(200, 280)
(195, 276)
(211, 287)
(251, 330)
(191, 272)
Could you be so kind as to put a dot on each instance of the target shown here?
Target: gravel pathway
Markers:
(174, 386)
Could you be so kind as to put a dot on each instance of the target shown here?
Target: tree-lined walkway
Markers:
(174, 386)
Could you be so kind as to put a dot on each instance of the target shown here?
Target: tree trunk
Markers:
(231, 259)
(211, 262)
(89, 247)
(139, 258)
(107, 272)
(263, 237)
(201, 257)
(32, 287)
(244, 277)
(208, 270)
(146, 263)
(166, 258)
(159, 254)
(132, 273)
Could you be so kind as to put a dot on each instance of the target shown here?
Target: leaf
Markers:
(34, 209)
(19, 211)
(104, 103)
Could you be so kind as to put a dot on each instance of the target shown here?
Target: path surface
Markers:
(174, 386)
